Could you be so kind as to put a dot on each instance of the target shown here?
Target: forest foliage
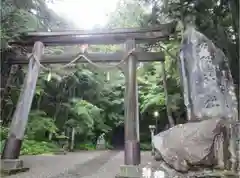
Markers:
(92, 100)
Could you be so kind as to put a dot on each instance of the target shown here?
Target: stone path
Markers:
(89, 164)
(112, 167)
(48, 166)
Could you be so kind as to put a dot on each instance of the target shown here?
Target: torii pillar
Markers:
(10, 161)
(132, 145)
(132, 156)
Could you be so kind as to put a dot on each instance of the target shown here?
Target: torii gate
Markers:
(130, 37)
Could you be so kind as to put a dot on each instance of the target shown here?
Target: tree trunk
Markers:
(54, 119)
(6, 90)
(234, 9)
(169, 113)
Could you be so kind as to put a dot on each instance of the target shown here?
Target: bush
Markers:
(86, 146)
(3, 132)
(2, 142)
(32, 147)
(109, 146)
(145, 146)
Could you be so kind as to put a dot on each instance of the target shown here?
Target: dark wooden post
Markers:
(132, 145)
(13, 143)
(169, 113)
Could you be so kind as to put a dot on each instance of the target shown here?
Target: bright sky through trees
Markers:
(85, 13)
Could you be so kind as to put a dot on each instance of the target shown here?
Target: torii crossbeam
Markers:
(114, 36)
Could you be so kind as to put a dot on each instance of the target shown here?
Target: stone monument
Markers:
(208, 140)
(152, 129)
(101, 143)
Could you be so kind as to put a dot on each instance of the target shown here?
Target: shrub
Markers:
(109, 146)
(32, 147)
(3, 132)
(145, 146)
(86, 146)
(2, 142)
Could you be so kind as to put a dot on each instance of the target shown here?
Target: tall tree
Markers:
(217, 19)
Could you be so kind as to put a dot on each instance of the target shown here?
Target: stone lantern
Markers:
(152, 129)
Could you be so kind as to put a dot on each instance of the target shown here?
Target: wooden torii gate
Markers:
(130, 37)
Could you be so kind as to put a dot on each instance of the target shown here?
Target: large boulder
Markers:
(189, 145)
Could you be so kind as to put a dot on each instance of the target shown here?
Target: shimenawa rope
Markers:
(79, 56)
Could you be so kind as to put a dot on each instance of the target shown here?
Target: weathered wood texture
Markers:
(114, 36)
(20, 117)
(131, 122)
(95, 57)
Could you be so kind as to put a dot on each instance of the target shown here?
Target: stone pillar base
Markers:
(12, 166)
(129, 171)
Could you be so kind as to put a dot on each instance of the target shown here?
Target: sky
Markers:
(85, 13)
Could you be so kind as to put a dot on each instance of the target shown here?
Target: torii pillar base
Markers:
(12, 166)
(10, 162)
(130, 171)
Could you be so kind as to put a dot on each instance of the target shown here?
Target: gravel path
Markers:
(112, 167)
(90, 164)
(88, 168)
(47, 166)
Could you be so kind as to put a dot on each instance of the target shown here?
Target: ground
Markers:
(89, 164)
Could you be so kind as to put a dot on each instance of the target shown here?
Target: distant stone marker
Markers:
(101, 142)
